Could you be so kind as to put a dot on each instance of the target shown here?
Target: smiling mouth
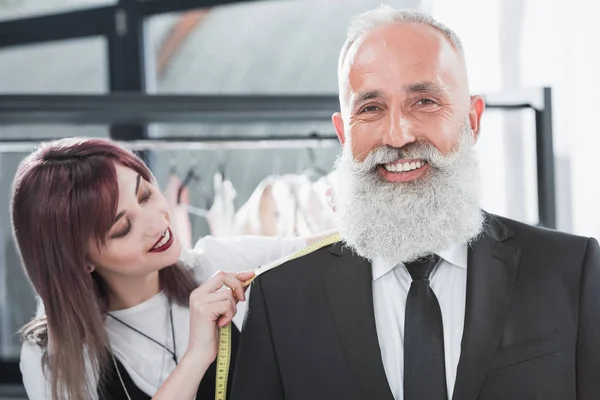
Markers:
(165, 241)
(404, 166)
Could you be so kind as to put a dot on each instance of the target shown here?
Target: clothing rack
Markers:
(128, 116)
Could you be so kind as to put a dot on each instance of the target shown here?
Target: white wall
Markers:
(558, 48)
(480, 40)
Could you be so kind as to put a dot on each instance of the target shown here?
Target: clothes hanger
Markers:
(313, 171)
(221, 164)
(173, 166)
(189, 177)
(192, 179)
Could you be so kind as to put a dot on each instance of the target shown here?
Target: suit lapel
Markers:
(491, 277)
(348, 284)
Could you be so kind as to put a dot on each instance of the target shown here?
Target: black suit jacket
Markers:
(532, 323)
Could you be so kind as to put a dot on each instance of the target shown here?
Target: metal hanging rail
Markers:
(131, 108)
(197, 144)
(134, 108)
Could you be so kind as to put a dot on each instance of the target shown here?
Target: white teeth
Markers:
(404, 166)
(165, 238)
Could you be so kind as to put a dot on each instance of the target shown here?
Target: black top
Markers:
(110, 387)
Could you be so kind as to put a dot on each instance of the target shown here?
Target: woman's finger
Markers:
(245, 276)
(230, 298)
(220, 279)
(216, 297)
(215, 283)
(227, 317)
(236, 286)
(212, 311)
(221, 312)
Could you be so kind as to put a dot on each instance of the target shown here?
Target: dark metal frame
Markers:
(540, 101)
(131, 108)
(128, 110)
(122, 24)
(545, 162)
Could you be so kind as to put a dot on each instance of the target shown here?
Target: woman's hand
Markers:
(212, 306)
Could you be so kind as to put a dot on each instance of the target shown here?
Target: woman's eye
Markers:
(123, 232)
(146, 196)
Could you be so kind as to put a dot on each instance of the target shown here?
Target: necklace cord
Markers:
(172, 352)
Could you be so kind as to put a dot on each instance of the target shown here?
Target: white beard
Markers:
(404, 221)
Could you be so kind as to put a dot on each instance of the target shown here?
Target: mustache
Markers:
(419, 150)
(387, 154)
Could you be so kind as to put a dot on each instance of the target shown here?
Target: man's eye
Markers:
(426, 102)
(369, 109)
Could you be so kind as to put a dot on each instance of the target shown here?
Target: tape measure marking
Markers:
(224, 348)
(223, 361)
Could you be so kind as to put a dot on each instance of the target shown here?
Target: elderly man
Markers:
(426, 297)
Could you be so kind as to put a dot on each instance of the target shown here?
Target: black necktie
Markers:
(424, 365)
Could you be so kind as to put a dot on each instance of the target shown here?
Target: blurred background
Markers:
(229, 102)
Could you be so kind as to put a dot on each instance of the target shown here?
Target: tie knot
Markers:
(422, 268)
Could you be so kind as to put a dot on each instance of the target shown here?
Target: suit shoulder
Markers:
(304, 263)
(528, 232)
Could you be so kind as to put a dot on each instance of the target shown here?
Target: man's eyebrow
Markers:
(361, 97)
(424, 87)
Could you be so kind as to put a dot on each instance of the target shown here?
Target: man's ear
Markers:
(475, 112)
(338, 124)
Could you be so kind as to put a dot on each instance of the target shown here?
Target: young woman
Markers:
(124, 316)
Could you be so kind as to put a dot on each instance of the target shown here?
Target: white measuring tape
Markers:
(224, 350)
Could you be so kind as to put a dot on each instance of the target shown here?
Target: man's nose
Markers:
(398, 132)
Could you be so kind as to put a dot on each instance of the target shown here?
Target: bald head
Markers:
(384, 15)
(407, 52)
(385, 35)
(402, 78)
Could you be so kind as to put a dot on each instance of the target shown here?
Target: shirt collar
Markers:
(455, 255)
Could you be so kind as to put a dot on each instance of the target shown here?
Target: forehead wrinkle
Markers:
(376, 47)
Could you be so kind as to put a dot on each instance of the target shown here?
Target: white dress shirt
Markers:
(390, 289)
(148, 364)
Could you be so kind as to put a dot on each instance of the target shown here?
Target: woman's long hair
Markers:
(64, 196)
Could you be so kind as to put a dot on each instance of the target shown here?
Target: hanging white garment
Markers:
(179, 212)
(221, 216)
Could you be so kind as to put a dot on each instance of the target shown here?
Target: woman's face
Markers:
(141, 239)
